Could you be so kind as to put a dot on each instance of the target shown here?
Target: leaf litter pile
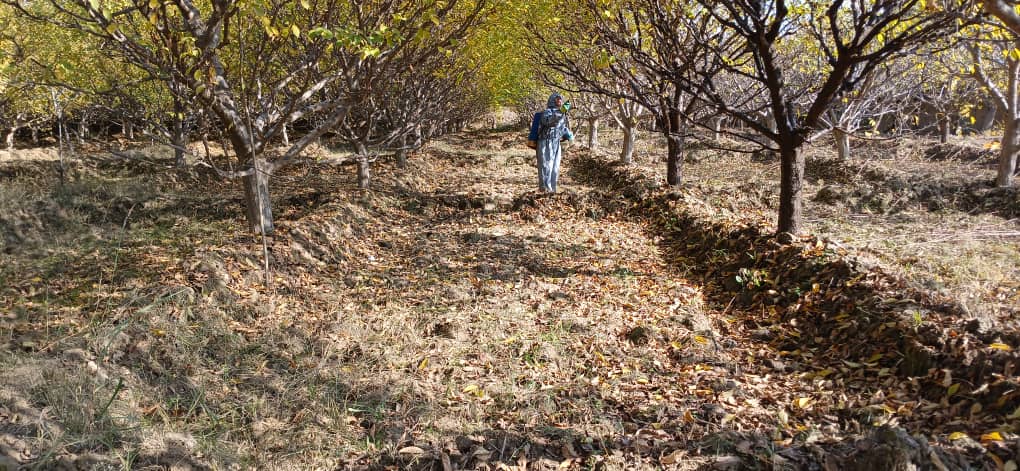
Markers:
(453, 318)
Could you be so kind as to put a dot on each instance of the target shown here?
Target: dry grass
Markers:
(450, 314)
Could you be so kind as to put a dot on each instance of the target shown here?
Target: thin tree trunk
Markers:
(944, 130)
(129, 130)
(1007, 155)
(83, 128)
(629, 136)
(1010, 146)
(61, 134)
(256, 197)
(364, 169)
(62, 138)
(180, 142)
(286, 137)
(790, 189)
(9, 138)
(179, 139)
(675, 137)
(842, 143)
(717, 128)
(402, 153)
(593, 133)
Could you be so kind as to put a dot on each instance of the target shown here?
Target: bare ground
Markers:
(452, 318)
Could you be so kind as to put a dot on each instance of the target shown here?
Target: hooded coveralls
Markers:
(553, 127)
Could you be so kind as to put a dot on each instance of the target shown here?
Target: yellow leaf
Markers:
(306, 5)
(471, 388)
(802, 402)
(688, 416)
(957, 436)
(1001, 346)
(424, 363)
(295, 31)
(991, 437)
(700, 339)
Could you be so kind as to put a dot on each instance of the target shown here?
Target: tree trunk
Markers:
(9, 138)
(593, 133)
(83, 128)
(717, 128)
(842, 143)
(256, 198)
(62, 154)
(364, 170)
(944, 130)
(987, 119)
(286, 137)
(129, 130)
(1010, 146)
(179, 137)
(1007, 155)
(179, 140)
(790, 189)
(675, 137)
(402, 153)
(629, 136)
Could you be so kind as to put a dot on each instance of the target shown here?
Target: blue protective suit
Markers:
(553, 127)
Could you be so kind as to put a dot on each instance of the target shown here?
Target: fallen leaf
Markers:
(991, 437)
(1001, 346)
(957, 436)
(675, 457)
(411, 450)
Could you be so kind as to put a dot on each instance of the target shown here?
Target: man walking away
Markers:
(553, 128)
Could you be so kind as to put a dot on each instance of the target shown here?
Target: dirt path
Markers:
(541, 323)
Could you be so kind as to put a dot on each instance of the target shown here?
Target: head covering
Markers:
(552, 100)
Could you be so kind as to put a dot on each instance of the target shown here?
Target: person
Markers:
(553, 127)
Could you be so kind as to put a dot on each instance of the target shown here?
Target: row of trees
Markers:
(376, 75)
(790, 72)
(389, 74)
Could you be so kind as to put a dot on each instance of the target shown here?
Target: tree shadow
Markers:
(873, 189)
(814, 296)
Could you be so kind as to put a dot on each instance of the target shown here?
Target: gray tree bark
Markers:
(364, 168)
(842, 143)
(256, 197)
(593, 133)
(629, 137)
